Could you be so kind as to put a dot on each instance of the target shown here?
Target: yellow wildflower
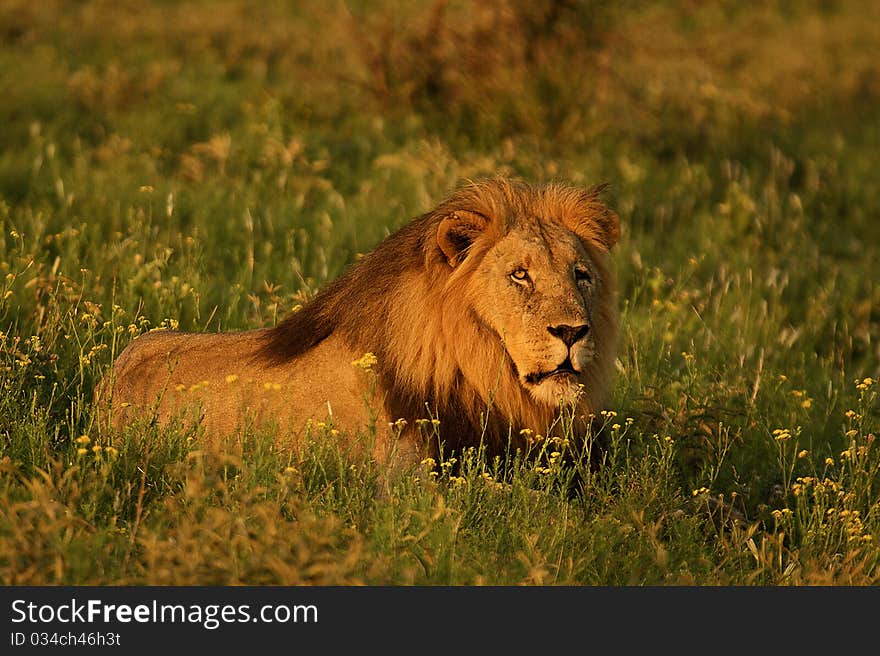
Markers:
(366, 362)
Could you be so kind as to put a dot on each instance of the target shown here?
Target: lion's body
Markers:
(457, 334)
(218, 381)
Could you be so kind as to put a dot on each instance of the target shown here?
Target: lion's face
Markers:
(537, 289)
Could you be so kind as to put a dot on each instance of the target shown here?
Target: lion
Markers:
(488, 314)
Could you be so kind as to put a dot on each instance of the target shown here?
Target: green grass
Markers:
(210, 166)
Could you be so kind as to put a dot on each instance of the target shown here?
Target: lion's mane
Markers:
(436, 359)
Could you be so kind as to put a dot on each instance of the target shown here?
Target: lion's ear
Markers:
(457, 231)
(600, 223)
(609, 226)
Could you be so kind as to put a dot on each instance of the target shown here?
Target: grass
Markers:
(208, 166)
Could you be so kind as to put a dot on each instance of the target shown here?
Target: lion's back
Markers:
(155, 364)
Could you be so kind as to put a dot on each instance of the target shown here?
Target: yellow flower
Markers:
(366, 362)
(231, 378)
(96, 449)
(83, 440)
(803, 454)
(81, 451)
(829, 461)
(112, 451)
(781, 434)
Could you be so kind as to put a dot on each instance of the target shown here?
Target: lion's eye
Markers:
(583, 275)
(520, 276)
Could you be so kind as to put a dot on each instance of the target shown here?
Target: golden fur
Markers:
(486, 313)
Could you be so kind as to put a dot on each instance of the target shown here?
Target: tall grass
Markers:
(209, 166)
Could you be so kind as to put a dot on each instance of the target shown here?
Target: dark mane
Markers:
(362, 291)
(408, 303)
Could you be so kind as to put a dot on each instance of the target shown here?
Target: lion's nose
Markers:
(569, 334)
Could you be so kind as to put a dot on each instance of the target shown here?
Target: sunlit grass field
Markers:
(209, 165)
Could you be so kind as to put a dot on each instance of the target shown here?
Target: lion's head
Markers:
(490, 310)
(538, 279)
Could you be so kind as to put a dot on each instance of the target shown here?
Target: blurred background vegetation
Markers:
(209, 165)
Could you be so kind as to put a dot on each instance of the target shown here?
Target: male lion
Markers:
(488, 313)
